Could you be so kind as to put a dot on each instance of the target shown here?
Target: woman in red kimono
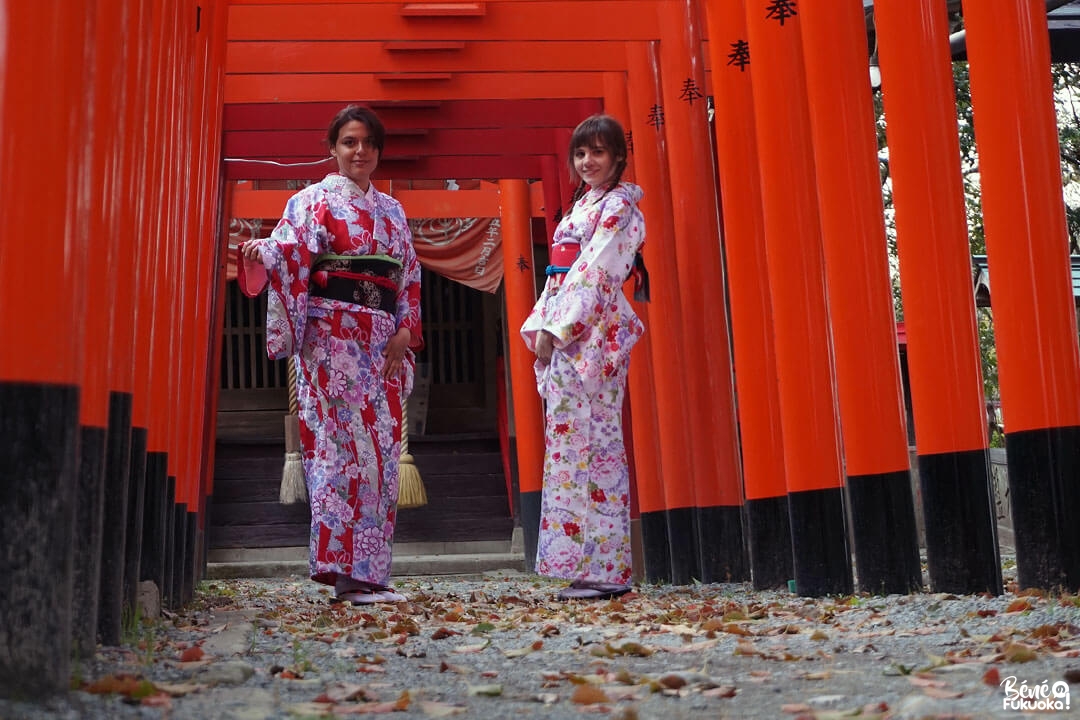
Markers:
(344, 303)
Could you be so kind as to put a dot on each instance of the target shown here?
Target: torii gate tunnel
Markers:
(766, 246)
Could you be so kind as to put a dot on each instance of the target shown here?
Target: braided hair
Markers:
(603, 131)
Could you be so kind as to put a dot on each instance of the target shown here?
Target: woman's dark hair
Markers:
(364, 115)
(605, 131)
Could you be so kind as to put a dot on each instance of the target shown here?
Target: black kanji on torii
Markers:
(630, 140)
(656, 116)
(522, 263)
(781, 10)
(739, 55)
(690, 91)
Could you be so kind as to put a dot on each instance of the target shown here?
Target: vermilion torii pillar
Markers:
(872, 414)
(640, 423)
(1027, 247)
(650, 163)
(939, 305)
(130, 207)
(797, 286)
(41, 282)
(711, 530)
(520, 278)
(768, 525)
(97, 232)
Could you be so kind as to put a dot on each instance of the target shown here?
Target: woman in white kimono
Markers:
(344, 302)
(582, 329)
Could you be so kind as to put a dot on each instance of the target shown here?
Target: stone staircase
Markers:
(466, 527)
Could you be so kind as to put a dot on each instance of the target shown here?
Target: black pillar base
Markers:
(654, 540)
(769, 524)
(169, 555)
(152, 558)
(191, 559)
(961, 527)
(89, 511)
(179, 553)
(720, 544)
(1044, 494)
(136, 500)
(884, 534)
(39, 444)
(530, 527)
(819, 543)
(119, 455)
(682, 545)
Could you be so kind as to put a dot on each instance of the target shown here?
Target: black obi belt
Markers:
(369, 280)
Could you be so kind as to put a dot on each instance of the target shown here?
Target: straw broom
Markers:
(293, 486)
(411, 493)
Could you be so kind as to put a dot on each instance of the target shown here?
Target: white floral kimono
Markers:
(585, 504)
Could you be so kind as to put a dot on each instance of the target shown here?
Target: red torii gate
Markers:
(407, 74)
(155, 401)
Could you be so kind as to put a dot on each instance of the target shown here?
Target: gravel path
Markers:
(500, 646)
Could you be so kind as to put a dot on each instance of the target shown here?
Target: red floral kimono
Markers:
(350, 417)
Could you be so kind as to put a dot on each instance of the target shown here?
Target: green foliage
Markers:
(1066, 83)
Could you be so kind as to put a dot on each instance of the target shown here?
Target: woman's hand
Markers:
(250, 250)
(545, 342)
(394, 352)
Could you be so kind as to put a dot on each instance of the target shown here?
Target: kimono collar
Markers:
(627, 190)
(340, 183)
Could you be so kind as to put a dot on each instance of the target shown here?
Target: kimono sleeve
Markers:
(598, 273)
(408, 299)
(287, 256)
(538, 317)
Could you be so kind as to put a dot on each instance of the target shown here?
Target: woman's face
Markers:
(594, 164)
(356, 155)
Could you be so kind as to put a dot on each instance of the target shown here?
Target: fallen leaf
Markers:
(673, 681)
(942, 693)
(443, 633)
(992, 677)
(925, 682)
(344, 692)
(179, 689)
(472, 648)
(126, 685)
(1019, 605)
(588, 695)
(447, 667)
(724, 691)
(520, 652)
(1018, 652)
(192, 654)
(817, 675)
(796, 708)
(159, 701)
(440, 710)
(493, 690)
(694, 647)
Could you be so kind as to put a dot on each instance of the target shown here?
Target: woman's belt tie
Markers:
(369, 280)
(563, 256)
